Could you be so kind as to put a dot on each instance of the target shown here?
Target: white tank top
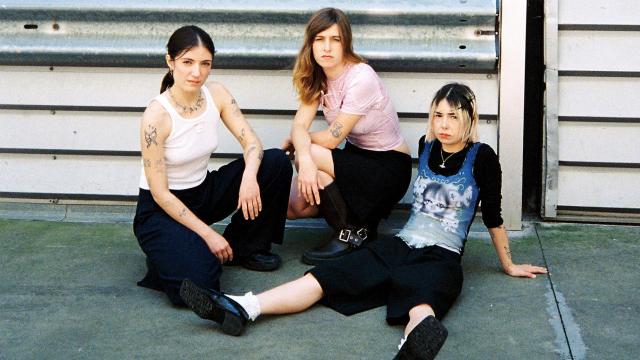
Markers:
(189, 145)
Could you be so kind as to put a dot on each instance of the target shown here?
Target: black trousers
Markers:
(175, 252)
(388, 272)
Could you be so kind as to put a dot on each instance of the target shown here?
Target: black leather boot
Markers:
(346, 236)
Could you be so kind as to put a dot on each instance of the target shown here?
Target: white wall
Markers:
(593, 112)
(35, 135)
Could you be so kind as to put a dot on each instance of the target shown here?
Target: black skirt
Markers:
(371, 182)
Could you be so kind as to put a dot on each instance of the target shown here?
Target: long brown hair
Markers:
(308, 77)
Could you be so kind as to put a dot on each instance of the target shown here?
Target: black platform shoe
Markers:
(215, 306)
(424, 341)
(341, 243)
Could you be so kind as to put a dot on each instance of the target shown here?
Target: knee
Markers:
(294, 210)
(277, 160)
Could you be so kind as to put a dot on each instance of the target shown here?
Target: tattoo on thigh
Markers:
(336, 129)
(150, 136)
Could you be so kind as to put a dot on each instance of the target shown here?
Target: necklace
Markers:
(188, 110)
(445, 160)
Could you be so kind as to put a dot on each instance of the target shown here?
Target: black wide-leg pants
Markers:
(175, 252)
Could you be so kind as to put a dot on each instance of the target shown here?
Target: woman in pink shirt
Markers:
(354, 187)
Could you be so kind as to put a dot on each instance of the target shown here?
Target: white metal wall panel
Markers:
(599, 187)
(597, 120)
(89, 129)
(254, 89)
(599, 96)
(618, 12)
(599, 50)
(116, 131)
(73, 174)
(585, 141)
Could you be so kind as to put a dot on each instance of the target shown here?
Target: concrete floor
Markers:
(67, 291)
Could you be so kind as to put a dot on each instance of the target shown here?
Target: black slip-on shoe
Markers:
(424, 341)
(329, 251)
(215, 306)
(261, 261)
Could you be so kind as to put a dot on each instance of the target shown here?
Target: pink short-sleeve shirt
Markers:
(359, 91)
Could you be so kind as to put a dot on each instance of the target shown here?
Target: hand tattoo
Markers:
(336, 129)
(150, 136)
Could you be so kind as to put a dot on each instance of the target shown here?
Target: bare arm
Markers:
(154, 130)
(337, 132)
(501, 243)
(249, 196)
(300, 138)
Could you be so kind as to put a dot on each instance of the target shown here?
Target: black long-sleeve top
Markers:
(486, 171)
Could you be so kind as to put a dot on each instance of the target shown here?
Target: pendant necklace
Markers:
(445, 160)
(188, 110)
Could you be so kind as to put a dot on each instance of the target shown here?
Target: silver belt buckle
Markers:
(343, 237)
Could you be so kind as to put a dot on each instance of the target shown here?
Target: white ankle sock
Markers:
(249, 303)
(402, 342)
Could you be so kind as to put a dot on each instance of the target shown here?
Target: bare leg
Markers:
(416, 315)
(291, 297)
(298, 207)
(323, 159)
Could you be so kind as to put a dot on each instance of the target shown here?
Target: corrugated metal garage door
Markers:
(76, 78)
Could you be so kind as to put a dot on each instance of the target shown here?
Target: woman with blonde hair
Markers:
(417, 273)
(354, 187)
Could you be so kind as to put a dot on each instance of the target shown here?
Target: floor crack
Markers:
(553, 290)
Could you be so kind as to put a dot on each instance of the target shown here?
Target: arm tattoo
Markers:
(242, 135)
(253, 147)
(336, 129)
(147, 163)
(150, 136)
(250, 149)
(182, 212)
(235, 107)
(506, 248)
(159, 165)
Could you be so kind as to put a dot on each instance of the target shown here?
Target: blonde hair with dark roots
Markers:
(308, 77)
(463, 100)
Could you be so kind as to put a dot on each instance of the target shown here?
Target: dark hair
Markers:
(183, 40)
